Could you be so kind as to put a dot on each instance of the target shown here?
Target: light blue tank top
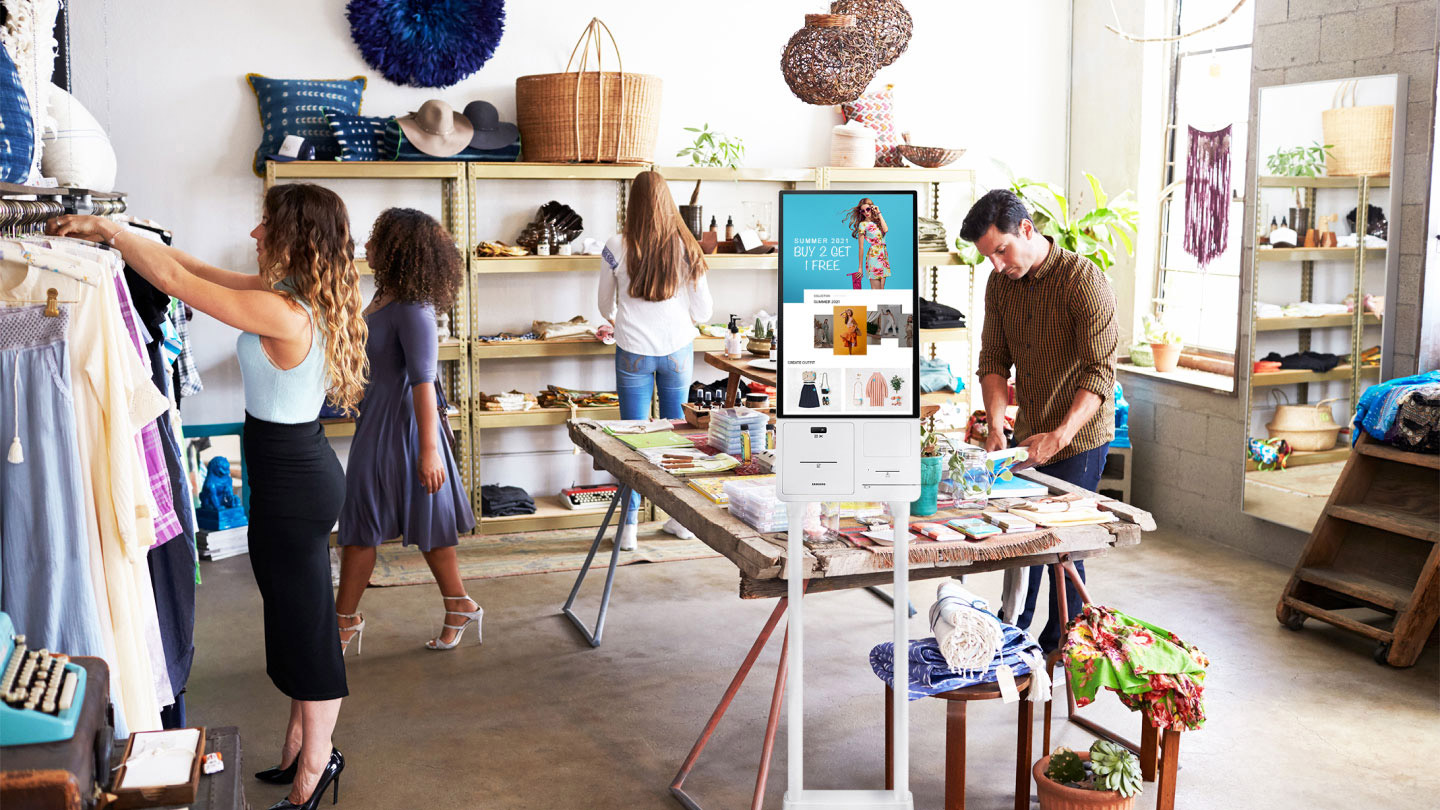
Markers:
(285, 396)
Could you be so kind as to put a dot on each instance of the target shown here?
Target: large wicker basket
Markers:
(588, 116)
(1360, 137)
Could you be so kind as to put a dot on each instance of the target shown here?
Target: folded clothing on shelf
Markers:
(556, 397)
(502, 501)
(931, 234)
(1313, 361)
(507, 401)
(549, 330)
(1311, 309)
(940, 316)
(506, 337)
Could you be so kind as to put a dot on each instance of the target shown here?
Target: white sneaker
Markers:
(627, 537)
(672, 526)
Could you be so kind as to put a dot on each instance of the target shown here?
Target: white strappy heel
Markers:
(357, 630)
(474, 616)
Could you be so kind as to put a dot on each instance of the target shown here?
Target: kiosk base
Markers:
(870, 799)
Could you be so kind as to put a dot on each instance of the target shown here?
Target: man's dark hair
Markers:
(1001, 208)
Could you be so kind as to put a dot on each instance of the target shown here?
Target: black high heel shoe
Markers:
(280, 776)
(330, 774)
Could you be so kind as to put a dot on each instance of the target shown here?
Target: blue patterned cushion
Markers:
(395, 146)
(17, 125)
(297, 107)
(359, 135)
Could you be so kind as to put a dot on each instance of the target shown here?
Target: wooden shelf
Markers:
(944, 335)
(898, 174)
(1292, 376)
(555, 171)
(942, 397)
(1274, 181)
(1318, 322)
(1388, 518)
(681, 174)
(346, 427)
(485, 265)
(1304, 458)
(537, 417)
(367, 169)
(550, 513)
(1389, 453)
(1314, 254)
(566, 348)
(451, 350)
(1366, 589)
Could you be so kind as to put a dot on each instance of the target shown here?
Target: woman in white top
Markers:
(653, 290)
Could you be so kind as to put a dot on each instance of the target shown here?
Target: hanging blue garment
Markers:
(17, 126)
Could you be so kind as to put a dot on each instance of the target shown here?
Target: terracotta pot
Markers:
(1055, 796)
(1167, 355)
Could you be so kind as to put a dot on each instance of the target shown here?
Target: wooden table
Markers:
(764, 568)
(737, 369)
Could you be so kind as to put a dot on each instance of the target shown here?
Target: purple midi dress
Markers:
(384, 498)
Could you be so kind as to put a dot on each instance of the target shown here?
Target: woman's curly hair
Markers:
(308, 254)
(414, 258)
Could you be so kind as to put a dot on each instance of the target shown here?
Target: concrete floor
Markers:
(537, 719)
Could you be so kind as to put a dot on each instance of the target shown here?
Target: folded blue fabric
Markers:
(935, 375)
(930, 675)
(1381, 403)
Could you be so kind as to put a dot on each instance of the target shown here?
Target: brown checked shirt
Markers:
(1056, 326)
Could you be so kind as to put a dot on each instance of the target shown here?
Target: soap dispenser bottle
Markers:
(734, 346)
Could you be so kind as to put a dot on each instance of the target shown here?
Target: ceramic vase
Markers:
(930, 473)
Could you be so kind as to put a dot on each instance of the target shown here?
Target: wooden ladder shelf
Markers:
(1377, 546)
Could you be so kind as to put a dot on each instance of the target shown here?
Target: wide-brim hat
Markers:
(436, 129)
(490, 131)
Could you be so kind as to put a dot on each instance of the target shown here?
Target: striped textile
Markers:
(930, 675)
(1056, 327)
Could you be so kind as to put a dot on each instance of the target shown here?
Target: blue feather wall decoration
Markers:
(426, 43)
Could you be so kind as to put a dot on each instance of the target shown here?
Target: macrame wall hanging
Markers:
(1207, 194)
(426, 43)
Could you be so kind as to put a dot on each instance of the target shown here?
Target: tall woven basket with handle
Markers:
(1360, 137)
(589, 116)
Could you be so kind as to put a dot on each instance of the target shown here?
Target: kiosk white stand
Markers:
(847, 457)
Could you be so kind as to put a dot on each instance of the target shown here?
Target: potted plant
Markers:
(1164, 344)
(1299, 161)
(1098, 233)
(1107, 777)
(896, 383)
(933, 447)
(762, 338)
(710, 149)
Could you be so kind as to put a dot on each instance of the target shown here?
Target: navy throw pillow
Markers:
(297, 107)
(359, 135)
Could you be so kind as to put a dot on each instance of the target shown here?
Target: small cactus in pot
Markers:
(762, 337)
(1107, 777)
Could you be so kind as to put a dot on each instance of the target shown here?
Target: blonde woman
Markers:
(303, 338)
(868, 225)
(653, 289)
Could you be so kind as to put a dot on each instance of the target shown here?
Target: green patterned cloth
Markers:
(1149, 667)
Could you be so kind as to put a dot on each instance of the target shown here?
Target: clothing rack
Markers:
(26, 208)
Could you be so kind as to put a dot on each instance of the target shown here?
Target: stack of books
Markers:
(218, 545)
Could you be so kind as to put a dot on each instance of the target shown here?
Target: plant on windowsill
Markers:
(1107, 777)
(711, 149)
(1099, 233)
(1165, 343)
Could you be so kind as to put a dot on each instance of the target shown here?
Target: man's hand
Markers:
(995, 439)
(1042, 447)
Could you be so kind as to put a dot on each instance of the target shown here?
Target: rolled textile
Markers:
(931, 675)
(968, 635)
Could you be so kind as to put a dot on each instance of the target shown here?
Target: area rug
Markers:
(511, 555)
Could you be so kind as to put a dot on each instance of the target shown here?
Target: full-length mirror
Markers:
(1324, 220)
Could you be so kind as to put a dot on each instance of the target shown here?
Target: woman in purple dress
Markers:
(401, 479)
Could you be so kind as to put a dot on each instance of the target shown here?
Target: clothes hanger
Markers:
(8, 251)
(52, 303)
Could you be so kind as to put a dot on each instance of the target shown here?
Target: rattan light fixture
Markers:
(830, 60)
(886, 21)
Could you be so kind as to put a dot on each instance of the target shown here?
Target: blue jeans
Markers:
(1083, 471)
(637, 376)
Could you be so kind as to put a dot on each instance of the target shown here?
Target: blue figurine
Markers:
(219, 507)
(1122, 419)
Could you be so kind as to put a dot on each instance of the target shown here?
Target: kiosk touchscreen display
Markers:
(848, 305)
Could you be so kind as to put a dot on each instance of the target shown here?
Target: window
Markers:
(1209, 90)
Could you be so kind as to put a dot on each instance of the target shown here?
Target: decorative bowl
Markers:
(930, 157)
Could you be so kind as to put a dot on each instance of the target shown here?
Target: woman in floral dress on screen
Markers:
(868, 225)
(849, 332)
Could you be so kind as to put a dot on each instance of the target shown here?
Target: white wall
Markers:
(167, 80)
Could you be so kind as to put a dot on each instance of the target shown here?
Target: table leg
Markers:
(889, 739)
(677, 784)
(887, 598)
(770, 725)
(955, 754)
(1169, 765)
(1024, 754)
(1149, 748)
(732, 389)
(594, 638)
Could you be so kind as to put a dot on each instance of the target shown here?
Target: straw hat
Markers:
(436, 129)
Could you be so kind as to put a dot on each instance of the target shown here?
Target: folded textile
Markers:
(939, 316)
(935, 375)
(1404, 411)
(931, 675)
(639, 426)
(1310, 309)
(505, 337)
(931, 234)
(967, 633)
(502, 501)
(1264, 310)
(1314, 361)
(549, 330)
(1150, 668)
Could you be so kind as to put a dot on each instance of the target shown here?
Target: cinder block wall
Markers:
(1189, 443)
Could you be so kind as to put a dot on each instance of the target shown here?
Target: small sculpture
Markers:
(219, 506)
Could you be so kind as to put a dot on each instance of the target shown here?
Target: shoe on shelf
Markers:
(356, 632)
(470, 616)
(327, 776)
(627, 537)
(672, 526)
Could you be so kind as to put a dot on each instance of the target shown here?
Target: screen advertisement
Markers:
(848, 305)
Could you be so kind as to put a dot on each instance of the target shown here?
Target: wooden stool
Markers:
(955, 741)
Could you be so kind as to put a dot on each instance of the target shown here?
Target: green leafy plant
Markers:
(1299, 161)
(1065, 767)
(1114, 768)
(714, 150)
(933, 442)
(968, 254)
(1156, 331)
(1099, 230)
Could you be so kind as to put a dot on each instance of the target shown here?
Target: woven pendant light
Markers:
(830, 60)
(886, 21)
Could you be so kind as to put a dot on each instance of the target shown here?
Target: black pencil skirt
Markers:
(296, 489)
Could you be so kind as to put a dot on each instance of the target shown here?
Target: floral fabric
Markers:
(877, 256)
(1150, 668)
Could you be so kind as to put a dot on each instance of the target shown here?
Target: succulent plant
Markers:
(1115, 768)
(1065, 766)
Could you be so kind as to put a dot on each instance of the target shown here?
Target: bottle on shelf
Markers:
(715, 229)
(729, 228)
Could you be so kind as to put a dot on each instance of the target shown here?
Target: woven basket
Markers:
(588, 116)
(1360, 137)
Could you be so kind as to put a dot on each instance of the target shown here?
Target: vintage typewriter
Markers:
(41, 690)
(589, 499)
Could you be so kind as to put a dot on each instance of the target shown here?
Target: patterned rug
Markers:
(510, 555)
